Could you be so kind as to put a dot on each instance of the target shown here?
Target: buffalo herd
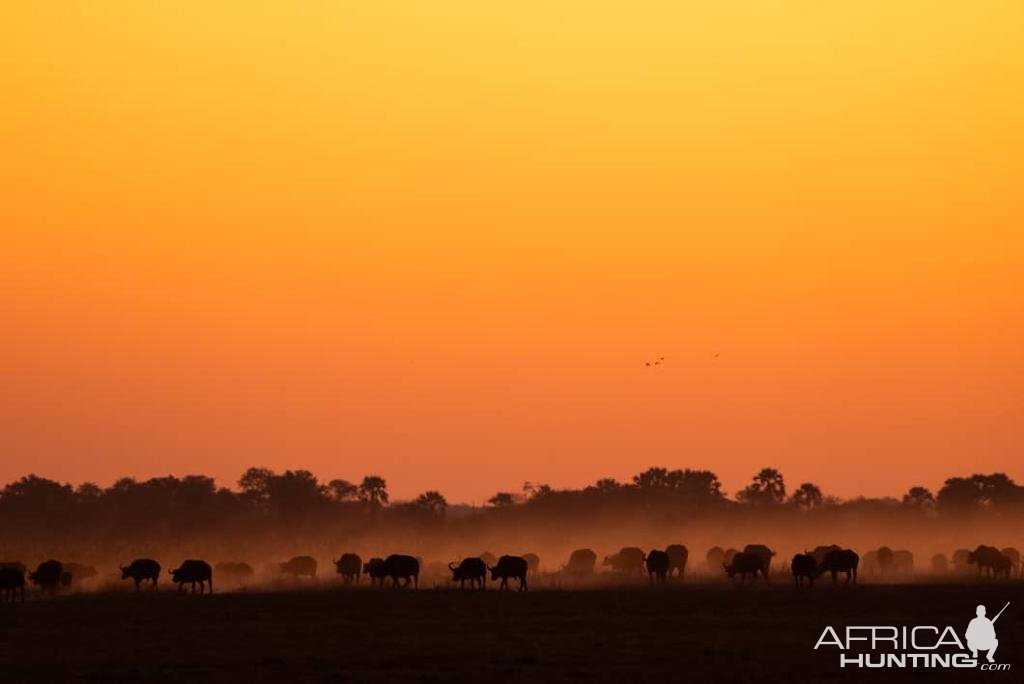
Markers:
(660, 566)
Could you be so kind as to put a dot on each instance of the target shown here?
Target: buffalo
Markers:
(803, 566)
(869, 564)
(884, 557)
(744, 564)
(961, 561)
(677, 557)
(1014, 556)
(192, 571)
(820, 552)
(762, 552)
(473, 570)
(902, 562)
(714, 558)
(1003, 567)
(374, 569)
(658, 563)
(581, 562)
(65, 580)
(730, 553)
(12, 580)
(629, 559)
(510, 567)
(299, 566)
(940, 565)
(47, 575)
(533, 562)
(836, 561)
(405, 568)
(349, 567)
(79, 572)
(986, 558)
(142, 569)
(232, 572)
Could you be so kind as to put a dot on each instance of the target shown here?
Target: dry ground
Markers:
(693, 632)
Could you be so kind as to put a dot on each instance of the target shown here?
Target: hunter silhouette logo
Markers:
(981, 634)
(927, 646)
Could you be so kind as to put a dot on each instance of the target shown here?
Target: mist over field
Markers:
(272, 517)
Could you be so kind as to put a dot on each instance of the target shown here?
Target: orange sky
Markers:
(436, 241)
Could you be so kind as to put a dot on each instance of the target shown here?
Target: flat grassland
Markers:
(693, 632)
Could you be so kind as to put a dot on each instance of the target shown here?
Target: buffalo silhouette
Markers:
(510, 567)
(142, 569)
(803, 566)
(940, 565)
(841, 560)
(299, 566)
(191, 572)
(677, 557)
(401, 567)
(658, 563)
(472, 570)
(1014, 556)
(374, 569)
(47, 576)
(349, 567)
(986, 558)
(629, 559)
(744, 564)
(12, 580)
(762, 552)
(714, 558)
(581, 562)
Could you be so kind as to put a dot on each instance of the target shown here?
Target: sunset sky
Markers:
(436, 241)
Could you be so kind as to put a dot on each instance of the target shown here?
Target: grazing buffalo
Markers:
(47, 576)
(192, 571)
(940, 565)
(233, 573)
(533, 562)
(884, 558)
(744, 564)
(658, 563)
(961, 561)
(1014, 556)
(65, 580)
(714, 558)
(12, 580)
(903, 562)
(80, 572)
(630, 559)
(1003, 567)
(511, 567)
(374, 569)
(845, 560)
(762, 552)
(869, 564)
(405, 568)
(677, 557)
(803, 566)
(142, 569)
(730, 553)
(820, 552)
(581, 562)
(299, 566)
(472, 570)
(986, 558)
(349, 567)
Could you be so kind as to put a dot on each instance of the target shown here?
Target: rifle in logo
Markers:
(981, 633)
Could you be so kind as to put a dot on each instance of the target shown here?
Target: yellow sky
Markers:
(436, 241)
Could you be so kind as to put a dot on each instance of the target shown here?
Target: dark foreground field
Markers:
(696, 633)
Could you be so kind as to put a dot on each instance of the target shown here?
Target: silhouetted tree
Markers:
(768, 487)
(342, 490)
(432, 502)
(502, 499)
(919, 498)
(995, 491)
(255, 485)
(606, 484)
(374, 490)
(807, 496)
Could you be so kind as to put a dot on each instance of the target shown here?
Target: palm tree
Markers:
(502, 499)
(808, 496)
(433, 502)
(374, 490)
